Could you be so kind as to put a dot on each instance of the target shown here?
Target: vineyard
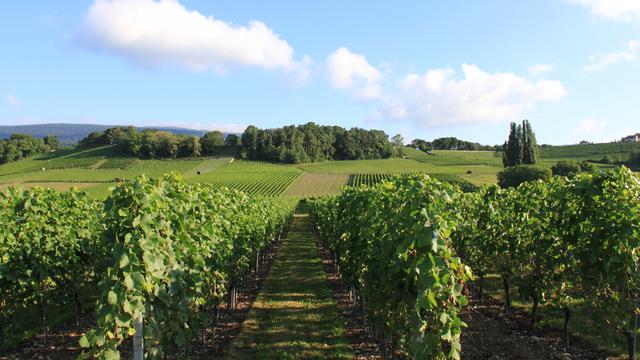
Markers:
(564, 243)
(392, 244)
(57, 160)
(107, 171)
(619, 151)
(118, 163)
(317, 185)
(253, 177)
(374, 179)
(412, 247)
(102, 166)
(163, 252)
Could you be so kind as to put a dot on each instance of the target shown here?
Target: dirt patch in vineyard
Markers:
(63, 341)
(494, 335)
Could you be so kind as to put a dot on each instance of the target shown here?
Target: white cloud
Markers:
(352, 72)
(602, 61)
(163, 32)
(13, 101)
(540, 69)
(590, 126)
(438, 98)
(625, 10)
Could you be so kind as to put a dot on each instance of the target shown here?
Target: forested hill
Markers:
(72, 133)
(311, 143)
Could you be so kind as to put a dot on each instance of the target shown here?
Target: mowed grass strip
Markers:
(310, 184)
(294, 315)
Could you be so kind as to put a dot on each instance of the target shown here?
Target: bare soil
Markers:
(492, 334)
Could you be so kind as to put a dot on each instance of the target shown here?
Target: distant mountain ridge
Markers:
(72, 133)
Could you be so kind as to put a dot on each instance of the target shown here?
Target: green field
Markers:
(96, 170)
(117, 163)
(456, 157)
(91, 169)
(252, 177)
(58, 160)
(311, 184)
(208, 166)
(615, 151)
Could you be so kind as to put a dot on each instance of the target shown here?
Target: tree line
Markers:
(20, 146)
(451, 143)
(312, 143)
(289, 144)
(519, 157)
(150, 143)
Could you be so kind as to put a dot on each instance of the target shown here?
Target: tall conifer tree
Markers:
(521, 148)
(530, 146)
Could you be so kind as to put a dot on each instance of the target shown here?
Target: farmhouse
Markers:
(632, 138)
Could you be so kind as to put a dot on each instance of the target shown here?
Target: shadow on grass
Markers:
(295, 315)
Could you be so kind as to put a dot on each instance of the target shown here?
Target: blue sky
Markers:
(424, 69)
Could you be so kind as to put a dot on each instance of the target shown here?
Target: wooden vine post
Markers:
(138, 339)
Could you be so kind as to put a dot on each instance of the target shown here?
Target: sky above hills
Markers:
(424, 69)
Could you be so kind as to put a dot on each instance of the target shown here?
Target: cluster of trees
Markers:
(158, 144)
(289, 144)
(519, 156)
(312, 143)
(20, 146)
(451, 143)
(521, 148)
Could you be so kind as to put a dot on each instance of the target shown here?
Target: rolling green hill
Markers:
(615, 151)
(96, 170)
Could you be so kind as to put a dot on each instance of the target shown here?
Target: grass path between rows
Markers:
(295, 315)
